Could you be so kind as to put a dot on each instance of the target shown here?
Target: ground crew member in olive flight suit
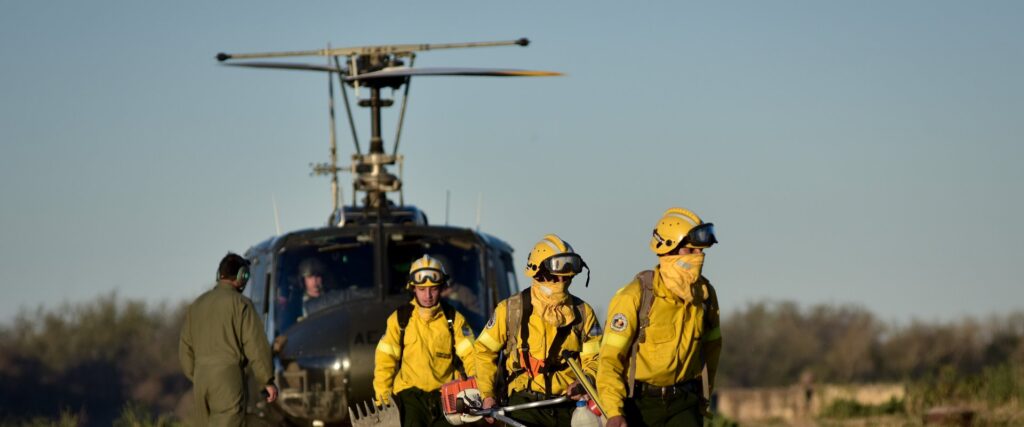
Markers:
(426, 343)
(663, 338)
(533, 328)
(222, 336)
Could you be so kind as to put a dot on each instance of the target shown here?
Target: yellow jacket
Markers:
(678, 341)
(493, 338)
(426, 357)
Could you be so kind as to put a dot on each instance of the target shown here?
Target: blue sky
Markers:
(858, 152)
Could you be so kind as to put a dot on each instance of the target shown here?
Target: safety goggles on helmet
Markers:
(564, 264)
(701, 236)
(425, 275)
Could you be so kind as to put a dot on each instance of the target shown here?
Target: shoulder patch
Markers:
(618, 323)
(490, 323)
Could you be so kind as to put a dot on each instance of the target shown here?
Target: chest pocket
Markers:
(572, 342)
(660, 334)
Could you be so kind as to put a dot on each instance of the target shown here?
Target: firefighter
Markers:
(426, 344)
(221, 336)
(534, 329)
(662, 338)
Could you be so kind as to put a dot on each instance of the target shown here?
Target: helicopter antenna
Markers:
(334, 141)
(447, 205)
(337, 216)
(355, 71)
(479, 208)
(277, 215)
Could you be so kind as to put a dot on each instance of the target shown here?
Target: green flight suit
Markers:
(223, 335)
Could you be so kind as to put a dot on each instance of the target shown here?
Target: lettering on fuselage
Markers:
(367, 337)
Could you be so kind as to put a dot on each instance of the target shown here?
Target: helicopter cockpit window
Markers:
(310, 279)
(462, 259)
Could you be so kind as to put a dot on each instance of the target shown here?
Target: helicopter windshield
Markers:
(312, 278)
(315, 277)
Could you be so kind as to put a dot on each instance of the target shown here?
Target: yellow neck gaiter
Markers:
(553, 302)
(680, 273)
(426, 313)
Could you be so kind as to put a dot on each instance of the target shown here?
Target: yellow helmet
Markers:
(678, 225)
(427, 271)
(554, 255)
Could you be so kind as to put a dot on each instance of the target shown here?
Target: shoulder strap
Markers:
(449, 317)
(513, 316)
(526, 299)
(577, 327)
(646, 279)
(403, 313)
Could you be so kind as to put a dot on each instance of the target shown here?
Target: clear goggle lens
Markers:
(425, 275)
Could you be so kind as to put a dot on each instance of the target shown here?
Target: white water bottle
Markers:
(582, 417)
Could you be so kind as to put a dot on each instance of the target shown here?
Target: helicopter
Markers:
(324, 293)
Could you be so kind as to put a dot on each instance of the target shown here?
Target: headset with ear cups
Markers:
(242, 277)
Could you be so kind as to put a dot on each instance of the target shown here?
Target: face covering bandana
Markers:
(680, 273)
(427, 313)
(553, 301)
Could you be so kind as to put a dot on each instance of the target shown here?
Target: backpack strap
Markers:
(524, 335)
(404, 313)
(449, 317)
(514, 315)
(646, 279)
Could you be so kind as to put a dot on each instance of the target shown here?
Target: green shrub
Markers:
(845, 408)
(137, 415)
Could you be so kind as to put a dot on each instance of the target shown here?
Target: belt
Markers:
(693, 386)
(536, 395)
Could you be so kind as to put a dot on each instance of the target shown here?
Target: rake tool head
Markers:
(370, 415)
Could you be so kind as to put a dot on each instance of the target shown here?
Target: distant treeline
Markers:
(773, 344)
(92, 359)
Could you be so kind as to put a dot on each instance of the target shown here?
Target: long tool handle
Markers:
(591, 390)
(507, 420)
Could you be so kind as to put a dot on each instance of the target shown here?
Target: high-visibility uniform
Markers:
(426, 356)
(493, 339)
(681, 337)
(221, 336)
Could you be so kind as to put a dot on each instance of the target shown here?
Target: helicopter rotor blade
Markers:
(397, 49)
(290, 66)
(450, 71)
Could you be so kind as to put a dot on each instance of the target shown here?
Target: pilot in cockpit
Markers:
(303, 297)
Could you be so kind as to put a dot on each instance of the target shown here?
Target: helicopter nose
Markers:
(316, 388)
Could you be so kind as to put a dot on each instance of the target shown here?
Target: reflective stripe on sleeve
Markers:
(388, 349)
(616, 340)
(714, 334)
(591, 347)
(462, 347)
(489, 342)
